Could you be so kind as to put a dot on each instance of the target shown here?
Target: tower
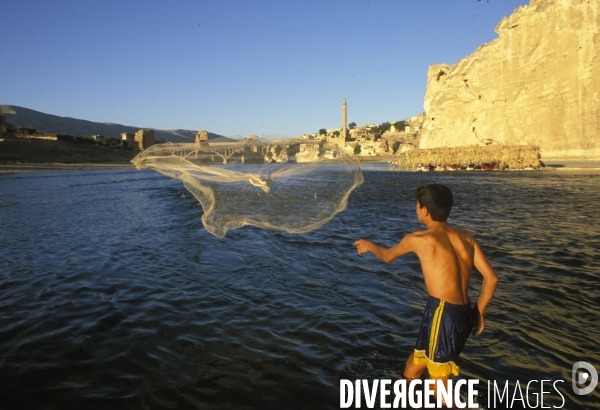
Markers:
(344, 118)
(201, 138)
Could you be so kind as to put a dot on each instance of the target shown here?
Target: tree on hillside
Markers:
(395, 146)
(322, 131)
(357, 149)
(385, 127)
(399, 125)
(352, 125)
(321, 148)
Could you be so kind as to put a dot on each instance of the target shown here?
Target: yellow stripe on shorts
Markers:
(435, 329)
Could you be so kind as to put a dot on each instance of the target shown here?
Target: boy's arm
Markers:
(488, 287)
(386, 254)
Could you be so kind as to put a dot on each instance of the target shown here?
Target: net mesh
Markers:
(235, 187)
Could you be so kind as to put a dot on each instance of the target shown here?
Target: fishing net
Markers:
(291, 187)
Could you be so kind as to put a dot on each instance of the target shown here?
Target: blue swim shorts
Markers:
(444, 332)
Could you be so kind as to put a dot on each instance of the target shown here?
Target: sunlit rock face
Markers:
(537, 84)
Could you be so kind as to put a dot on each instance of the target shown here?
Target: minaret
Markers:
(344, 129)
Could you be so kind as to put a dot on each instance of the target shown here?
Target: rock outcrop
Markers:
(513, 157)
(537, 84)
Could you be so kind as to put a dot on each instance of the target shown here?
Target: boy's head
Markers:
(437, 199)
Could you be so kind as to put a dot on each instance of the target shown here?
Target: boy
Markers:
(447, 257)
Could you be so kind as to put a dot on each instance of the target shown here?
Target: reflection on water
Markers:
(113, 295)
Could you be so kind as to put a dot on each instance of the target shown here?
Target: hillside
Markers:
(54, 124)
(38, 151)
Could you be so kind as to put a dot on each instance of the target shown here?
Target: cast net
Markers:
(292, 187)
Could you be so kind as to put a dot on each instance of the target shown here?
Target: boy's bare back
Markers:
(447, 256)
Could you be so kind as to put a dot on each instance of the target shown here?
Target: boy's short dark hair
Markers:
(437, 198)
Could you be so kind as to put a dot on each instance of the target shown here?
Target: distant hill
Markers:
(273, 137)
(53, 124)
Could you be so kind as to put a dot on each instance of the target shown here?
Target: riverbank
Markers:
(572, 163)
(42, 152)
(29, 167)
(16, 168)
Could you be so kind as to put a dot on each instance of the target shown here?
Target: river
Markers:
(113, 295)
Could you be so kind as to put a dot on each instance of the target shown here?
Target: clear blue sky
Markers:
(234, 67)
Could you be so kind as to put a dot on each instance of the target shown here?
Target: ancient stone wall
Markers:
(144, 138)
(7, 129)
(504, 156)
(201, 136)
(537, 84)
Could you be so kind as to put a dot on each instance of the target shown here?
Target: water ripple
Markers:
(112, 295)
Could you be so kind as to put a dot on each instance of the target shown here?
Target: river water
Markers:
(113, 295)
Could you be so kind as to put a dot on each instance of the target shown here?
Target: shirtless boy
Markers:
(447, 257)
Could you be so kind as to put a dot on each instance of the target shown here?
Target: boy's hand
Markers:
(362, 245)
(479, 321)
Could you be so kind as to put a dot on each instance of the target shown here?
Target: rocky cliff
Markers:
(537, 84)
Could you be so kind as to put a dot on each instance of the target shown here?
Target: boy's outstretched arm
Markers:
(386, 254)
(488, 287)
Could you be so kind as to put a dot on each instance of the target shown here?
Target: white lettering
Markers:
(457, 402)
(400, 393)
(536, 395)
(383, 392)
(412, 394)
(421, 393)
(497, 392)
(517, 388)
(428, 393)
(563, 397)
(370, 396)
(345, 384)
(472, 393)
(542, 394)
(444, 392)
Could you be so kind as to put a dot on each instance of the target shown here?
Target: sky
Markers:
(235, 67)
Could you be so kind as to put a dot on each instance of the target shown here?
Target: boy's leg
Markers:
(413, 371)
(444, 381)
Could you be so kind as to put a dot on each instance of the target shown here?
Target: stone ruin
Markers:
(128, 139)
(144, 138)
(201, 136)
(7, 129)
(141, 140)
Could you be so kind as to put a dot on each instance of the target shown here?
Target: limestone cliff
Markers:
(537, 84)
